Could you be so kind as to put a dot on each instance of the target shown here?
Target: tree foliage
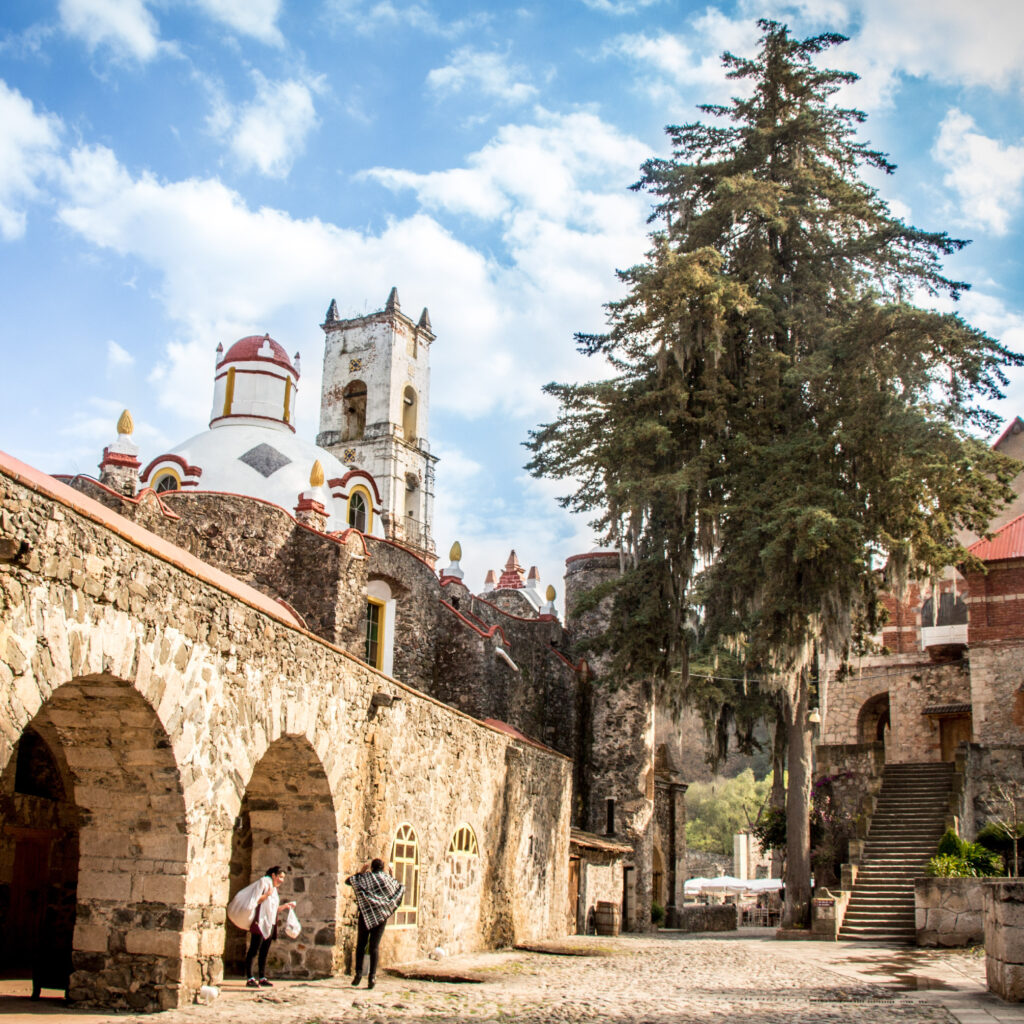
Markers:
(718, 810)
(788, 428)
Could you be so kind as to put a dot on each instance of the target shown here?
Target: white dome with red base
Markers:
(255, 382)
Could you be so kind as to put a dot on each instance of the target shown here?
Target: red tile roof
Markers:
(1007, 543)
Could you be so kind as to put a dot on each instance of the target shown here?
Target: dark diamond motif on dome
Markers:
(264, 459)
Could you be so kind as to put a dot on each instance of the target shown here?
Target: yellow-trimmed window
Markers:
(405, 862)
(360, 510)
(463, 842)
(166, 480)
(375, 613)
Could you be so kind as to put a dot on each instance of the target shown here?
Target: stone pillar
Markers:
(311, 513)
(1003, 912)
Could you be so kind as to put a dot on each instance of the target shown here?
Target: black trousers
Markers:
(258, 946)
(368, 936)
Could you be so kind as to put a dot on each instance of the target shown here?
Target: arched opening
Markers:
(166, 480)
(405, 862)
(873, 719)
(360, 510)
(462, 879)
(409, 414)
(287, 818)
(354, 405)
(93, 850)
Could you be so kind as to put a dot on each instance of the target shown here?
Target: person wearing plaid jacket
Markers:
(378, 895)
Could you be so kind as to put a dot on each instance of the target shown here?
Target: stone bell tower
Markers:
(374, 410)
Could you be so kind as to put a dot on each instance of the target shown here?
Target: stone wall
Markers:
(949, 911)
(912, 685)
(175, 693)
(696, 917)
(620, 760)
(985, 769)
(856, 770)
(1003, 910)
(600, 882)
(997, 695)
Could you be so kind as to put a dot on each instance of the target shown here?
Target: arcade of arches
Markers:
(167, 733)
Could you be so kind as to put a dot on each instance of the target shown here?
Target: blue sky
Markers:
(178, 173)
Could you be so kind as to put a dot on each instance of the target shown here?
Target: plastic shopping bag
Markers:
(242, 908)
(292, 928)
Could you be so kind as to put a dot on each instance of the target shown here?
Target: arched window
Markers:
(463, 842)
(409, 414)
(166, 480)
(375, 623)
(360, 510)
(405, 861)
(354, 406)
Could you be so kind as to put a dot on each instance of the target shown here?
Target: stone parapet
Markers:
(949, 911)
(1003, 910)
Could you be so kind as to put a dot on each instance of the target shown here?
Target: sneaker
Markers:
(370, 981)
(358, 978)
(252, 983)
(266, 984)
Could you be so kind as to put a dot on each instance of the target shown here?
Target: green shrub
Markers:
(950, 845)
(982, 861)
(956, 858)
(657, 913)
(947, 865)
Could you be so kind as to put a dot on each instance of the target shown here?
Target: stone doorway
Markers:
(953, 730)
(287, 818)
(94, 848)
(873, 721)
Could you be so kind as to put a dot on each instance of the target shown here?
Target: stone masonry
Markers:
(205, 732)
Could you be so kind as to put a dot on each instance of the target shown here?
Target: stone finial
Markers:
(454, 570)
(489, 581)
(392, 305)
(316, 475)
(332, 313)
(119, 467)
(424, 323)
(549, 607)
(297, 363)
(533, 578)
(512, 575)
(219, 354)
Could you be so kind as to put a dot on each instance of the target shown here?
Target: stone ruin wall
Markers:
(620, 761)
(173, 700)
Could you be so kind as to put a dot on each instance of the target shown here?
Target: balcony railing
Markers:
(944, 636)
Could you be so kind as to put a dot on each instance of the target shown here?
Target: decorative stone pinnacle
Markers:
(456, 552)
(125, 425)
(425, 320)
(316, 475)
(512, 575)
(392, 305)
(332, 312)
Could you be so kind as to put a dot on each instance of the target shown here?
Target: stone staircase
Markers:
(911, 814)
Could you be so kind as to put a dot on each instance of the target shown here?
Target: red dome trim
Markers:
(246, 350)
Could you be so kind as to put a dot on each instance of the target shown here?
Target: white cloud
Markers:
(255, 18)
(269, 132)
(117, 356)
(488, 74)
(564, 218)
(986, 174)
(619, 7)
(369, 16)
(28, 144)
(126, 26)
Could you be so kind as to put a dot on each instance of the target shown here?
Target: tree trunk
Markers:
(797, 912)
(777, 799)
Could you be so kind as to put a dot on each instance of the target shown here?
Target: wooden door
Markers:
(574, 895)
(29, 890)
(953, 732)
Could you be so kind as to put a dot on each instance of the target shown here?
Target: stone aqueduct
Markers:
(180, 732)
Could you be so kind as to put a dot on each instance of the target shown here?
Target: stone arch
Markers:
(873, 719)
(110, 776)
(354, 415)
(410, 413)
(287, 817)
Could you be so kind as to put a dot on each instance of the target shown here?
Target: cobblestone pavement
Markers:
(665, 979)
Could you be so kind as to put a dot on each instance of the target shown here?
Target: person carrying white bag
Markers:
(255, 909)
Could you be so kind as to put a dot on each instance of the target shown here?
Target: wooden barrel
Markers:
(607, 918)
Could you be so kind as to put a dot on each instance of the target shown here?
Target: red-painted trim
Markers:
(119, 459)
(250, 416)
(1009, 427)
(310, 505)
(593, 554)
(363, 475)
(186, 469)
(255, 342)
(446, 581)
(342, 536)
(491, 631)
(69, 481)
(238, 370)
(510, 730)
(402, 547)
(508, 615)
(292, 611)
(53, 489)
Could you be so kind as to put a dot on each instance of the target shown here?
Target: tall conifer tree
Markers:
(786, 433)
